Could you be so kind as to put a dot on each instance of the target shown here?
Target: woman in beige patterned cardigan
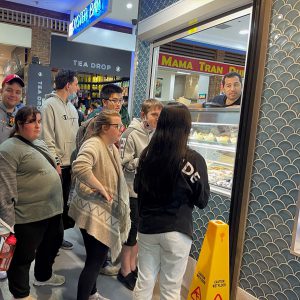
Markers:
(100, 206)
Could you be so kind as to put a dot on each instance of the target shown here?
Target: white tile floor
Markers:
(70, 263)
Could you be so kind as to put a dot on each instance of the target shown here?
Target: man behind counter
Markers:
(232, 88)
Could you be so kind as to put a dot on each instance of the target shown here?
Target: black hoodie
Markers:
(192, 188)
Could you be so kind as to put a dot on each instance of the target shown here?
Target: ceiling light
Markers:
(244, 31)
(129, 5)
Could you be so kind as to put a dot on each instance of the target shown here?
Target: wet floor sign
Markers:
(211, 277)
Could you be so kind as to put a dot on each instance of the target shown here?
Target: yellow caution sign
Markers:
(211, 277)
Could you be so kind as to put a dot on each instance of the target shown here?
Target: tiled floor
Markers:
(70, 263)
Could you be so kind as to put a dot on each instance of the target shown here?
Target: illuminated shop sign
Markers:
(90, 15)
(197, 65)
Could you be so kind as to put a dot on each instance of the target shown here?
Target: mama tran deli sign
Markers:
(90, 15)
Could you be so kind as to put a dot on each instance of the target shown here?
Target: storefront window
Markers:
(190, 69)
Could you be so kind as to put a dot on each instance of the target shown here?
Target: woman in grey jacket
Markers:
(25, 164)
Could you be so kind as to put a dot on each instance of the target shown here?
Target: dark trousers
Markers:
(41, 241)
(96, 253)
(66, 185)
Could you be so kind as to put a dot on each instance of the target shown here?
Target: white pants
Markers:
(166, 253)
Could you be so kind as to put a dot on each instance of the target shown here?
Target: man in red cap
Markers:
(11, 94)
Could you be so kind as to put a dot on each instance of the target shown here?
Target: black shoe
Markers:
(135, 272)
(66, 245)
(128, 281)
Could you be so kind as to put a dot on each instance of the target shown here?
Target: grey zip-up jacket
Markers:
(59, 128)
(133, 141)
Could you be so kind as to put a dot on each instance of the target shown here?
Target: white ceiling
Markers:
(228, 37)
(120, 13)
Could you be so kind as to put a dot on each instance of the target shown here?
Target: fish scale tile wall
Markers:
(269, 271)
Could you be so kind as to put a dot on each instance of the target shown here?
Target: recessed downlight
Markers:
(129, 5)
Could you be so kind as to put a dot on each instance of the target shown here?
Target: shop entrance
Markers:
(191, 67)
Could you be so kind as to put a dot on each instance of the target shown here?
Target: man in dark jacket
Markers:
(232, 88)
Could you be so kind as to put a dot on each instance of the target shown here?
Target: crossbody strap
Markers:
(36, 148)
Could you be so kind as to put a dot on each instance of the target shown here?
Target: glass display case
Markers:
(214, 135)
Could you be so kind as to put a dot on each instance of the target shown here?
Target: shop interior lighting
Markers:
(244, 31)
(183, 73)
(129, 5)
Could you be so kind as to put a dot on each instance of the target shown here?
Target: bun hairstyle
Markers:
(103, 119)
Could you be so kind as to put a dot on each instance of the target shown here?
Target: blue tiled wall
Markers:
(150, 7)
(142, 70)
(268, 269)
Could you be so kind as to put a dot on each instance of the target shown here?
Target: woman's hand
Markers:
(107, 196)
(104, 194)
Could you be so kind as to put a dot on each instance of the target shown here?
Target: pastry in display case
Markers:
(214, 135)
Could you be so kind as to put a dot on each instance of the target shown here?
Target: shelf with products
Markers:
(90, 85)
(214, 135)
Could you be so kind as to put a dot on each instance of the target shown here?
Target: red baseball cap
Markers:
(11, 77)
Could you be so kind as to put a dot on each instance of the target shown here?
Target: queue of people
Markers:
(130, 191)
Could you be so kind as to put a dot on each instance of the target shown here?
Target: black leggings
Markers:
(96, 253)
(37, 240)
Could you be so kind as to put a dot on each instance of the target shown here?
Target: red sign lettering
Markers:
(197, 65)
(218, 297)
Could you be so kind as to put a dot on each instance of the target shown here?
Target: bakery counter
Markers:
(214, 135)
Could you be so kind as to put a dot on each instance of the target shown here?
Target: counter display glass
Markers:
(214, 135)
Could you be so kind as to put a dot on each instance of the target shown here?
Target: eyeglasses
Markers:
(117, 126)
(116, 101)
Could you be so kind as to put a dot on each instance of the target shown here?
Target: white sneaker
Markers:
(3, 275)
(97, 296)
(55, 280)
(110, 269)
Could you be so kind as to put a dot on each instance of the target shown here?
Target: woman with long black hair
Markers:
(170, 180)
